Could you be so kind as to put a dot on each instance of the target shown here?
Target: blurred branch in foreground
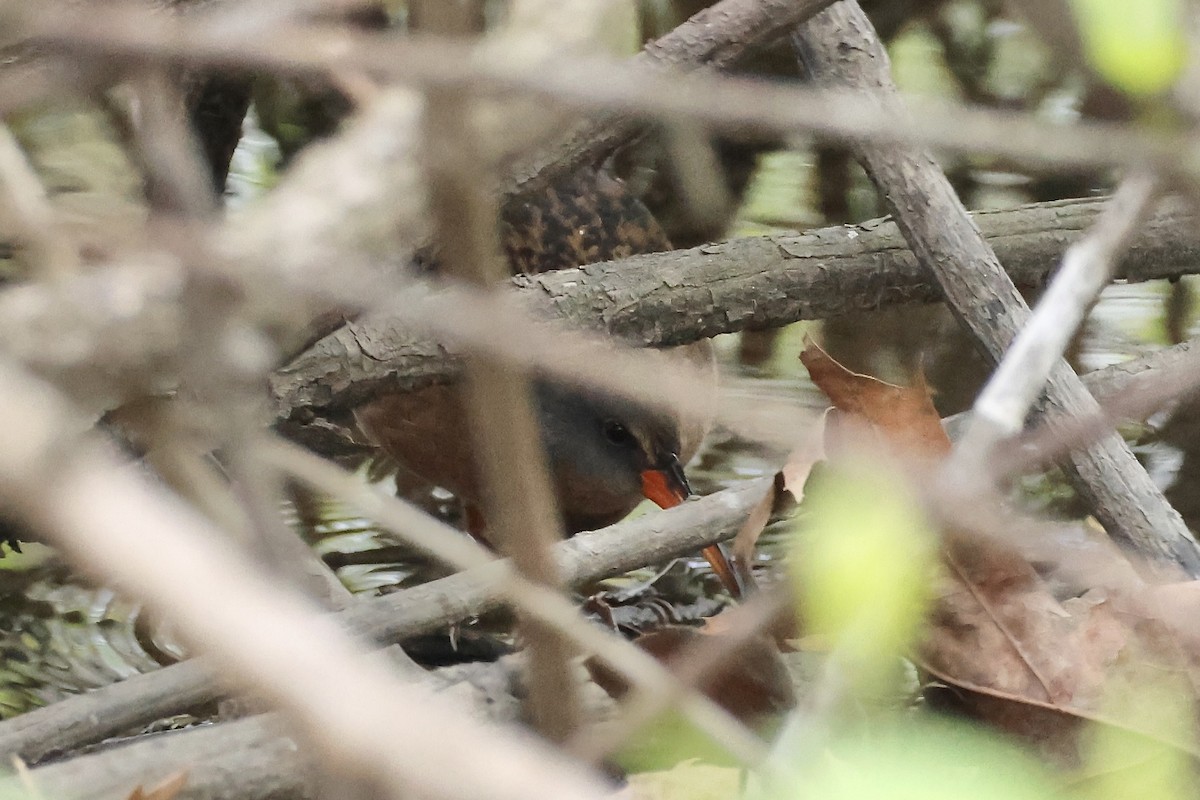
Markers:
(182, 300)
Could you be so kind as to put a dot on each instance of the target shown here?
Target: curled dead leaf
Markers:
(904, 416)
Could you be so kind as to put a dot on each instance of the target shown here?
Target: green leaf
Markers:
(668, 741)
(1138, 47)
(1121, 763)
(921, 759)
(863, 564)
(691, 780)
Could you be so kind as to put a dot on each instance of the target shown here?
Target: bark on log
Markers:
(254, 757)
(249, 759)
(768, 281)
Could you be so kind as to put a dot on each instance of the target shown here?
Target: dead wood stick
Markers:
(249, 759)
(839, 46)
(1087, 267)
(679, 297)
(376, 731)
(600, 85)
(718, 288)
(521, 512)
(1140, 377)
(141, 699)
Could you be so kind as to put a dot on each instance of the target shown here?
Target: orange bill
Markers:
(668, 488)
(659, 486)
(714, 554)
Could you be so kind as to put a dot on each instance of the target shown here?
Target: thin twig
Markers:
(596, 84)
(142, 699)
(1178, 380)
(176, 179)
(1129, 390)
(375, 728)
(1087, 267)
(445, 544)
(29, 215)
(717, 37)
(520, 508)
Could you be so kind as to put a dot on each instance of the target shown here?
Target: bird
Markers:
(604, 454)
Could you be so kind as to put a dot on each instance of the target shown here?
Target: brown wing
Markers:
(589, 217)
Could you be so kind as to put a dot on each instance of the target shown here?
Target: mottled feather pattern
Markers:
(590, 216)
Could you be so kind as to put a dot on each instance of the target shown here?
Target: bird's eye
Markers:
(618, 434)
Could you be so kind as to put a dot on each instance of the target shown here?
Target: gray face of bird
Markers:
(605, 440)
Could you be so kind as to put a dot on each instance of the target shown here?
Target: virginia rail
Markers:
(604, 454)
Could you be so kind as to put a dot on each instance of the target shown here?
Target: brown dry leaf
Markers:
(1029, 664)
(807, 453)
(1097, 657)
(1009, 647)
(1037, 668)
(904, 415)
(995, 625)
(165, 790)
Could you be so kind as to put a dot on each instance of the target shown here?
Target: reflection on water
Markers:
(60, 636)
